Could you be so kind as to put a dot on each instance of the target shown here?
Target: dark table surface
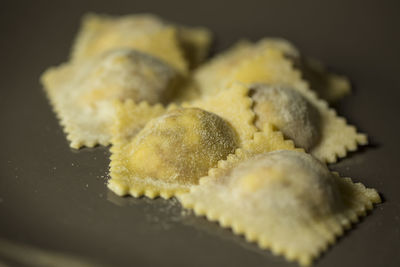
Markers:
(54, 205)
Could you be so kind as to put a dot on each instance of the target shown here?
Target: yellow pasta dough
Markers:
(143, 32)
(82, 93)
(286, 201)
(136, 57)
(211, 77)
(272, 68)
(228, 139)
(233, 105)
(328, 86)
(182, 143)
(180, 146)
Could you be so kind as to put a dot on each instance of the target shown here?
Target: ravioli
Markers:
(286, 201)
(211, 77)
(82, 93)
(336, 137)
(180, 145)
(181, 142)
(143, 32)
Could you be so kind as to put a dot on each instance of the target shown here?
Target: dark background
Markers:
(54, 205)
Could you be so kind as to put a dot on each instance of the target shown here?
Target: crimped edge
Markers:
(324, 109)
(343, 221)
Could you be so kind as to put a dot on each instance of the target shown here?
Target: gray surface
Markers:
(53, 200)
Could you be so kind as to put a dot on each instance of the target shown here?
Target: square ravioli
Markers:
(282, 98)
(286, 201)
(144, 32)
(82, 93)
(182, 143)
(210, 77)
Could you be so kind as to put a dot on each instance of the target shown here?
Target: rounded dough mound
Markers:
(287, 182)
(102, 33)
(181, 146)
(289, 111)
(128, 74)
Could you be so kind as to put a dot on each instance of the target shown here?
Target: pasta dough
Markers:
(143, 32)
(82, 93)
(211, 77)
(289, 111)
(181, 145)
(272, 68)
(328, 86)
(136, 57)
(216, 139)
(233, 105)
(286, 201)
